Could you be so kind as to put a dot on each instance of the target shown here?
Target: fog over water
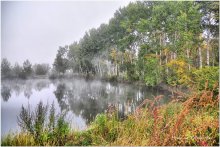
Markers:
(35, 29)
(81, 99)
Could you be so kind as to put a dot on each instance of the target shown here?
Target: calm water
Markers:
(81, 99)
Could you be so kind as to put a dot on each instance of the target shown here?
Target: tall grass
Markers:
(193, 122)
(43, 127)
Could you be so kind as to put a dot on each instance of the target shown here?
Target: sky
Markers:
(34, 30)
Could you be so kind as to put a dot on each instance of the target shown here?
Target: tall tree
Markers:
(27, 68)
(5, 68)
(61, 62)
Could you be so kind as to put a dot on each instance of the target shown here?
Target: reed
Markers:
(193, 122)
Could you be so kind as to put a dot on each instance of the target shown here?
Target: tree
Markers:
(27, 68)
(152, 70)
(41, 69)
(5, 68)
(73, 57)
(61, 62)
(146, 40)
(17, 70)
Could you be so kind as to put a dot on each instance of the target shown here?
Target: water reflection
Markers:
(5, 93)
(84, 99)
(61, 95)
(22, 86)
(88, 98)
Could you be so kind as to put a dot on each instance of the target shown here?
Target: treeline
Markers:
(24, 71)
(153, 42)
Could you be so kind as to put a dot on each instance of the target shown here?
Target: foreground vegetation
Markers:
(190, 120)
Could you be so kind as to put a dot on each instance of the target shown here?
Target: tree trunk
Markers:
(207, 53)
(100, 70)
(171, 56)
(166, 60)
(160, 57)
(117, 70)
(175, 38)
(208, 41)
(200, 57)
(213, 58)
(174, 55)
(160, 49)
(187, 52)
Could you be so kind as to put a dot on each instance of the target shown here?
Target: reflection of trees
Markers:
(25, 86)
(60, 94)
(28, 89)
(17, 89)
(88, 98)
(41, 85)
(5, 93)
(86, 106)
(83, 99)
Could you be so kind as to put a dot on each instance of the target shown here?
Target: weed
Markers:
(193, 122)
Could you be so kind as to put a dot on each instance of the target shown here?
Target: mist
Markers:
(35, 30)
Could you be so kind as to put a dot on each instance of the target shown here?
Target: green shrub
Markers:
(113, 79)
(100, 122)
(36, 124)
(201, 76)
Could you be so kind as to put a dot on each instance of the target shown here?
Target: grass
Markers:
(194, 122)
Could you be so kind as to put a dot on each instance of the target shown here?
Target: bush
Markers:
(37, 125)
(83, 139)
(113, 79)
(206, 74)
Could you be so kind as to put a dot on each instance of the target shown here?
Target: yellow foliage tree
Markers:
(179, 74)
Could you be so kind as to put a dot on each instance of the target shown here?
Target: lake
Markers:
(81, 99)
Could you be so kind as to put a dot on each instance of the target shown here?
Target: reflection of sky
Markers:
(83, 98)
(10, 109)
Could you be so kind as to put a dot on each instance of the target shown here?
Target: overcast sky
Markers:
(34, 30)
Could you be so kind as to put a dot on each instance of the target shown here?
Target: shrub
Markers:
(201, 76)
(113, 79)
(37, 125)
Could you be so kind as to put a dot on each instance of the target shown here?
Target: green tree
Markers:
(152, 70)
(5, 68)
(147, 37)
(73, 57)
(61, 62)
(41, 69)
(17, 70)
(27, 68)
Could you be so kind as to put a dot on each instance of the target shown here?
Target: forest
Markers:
(152, 42)
(175, 43)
